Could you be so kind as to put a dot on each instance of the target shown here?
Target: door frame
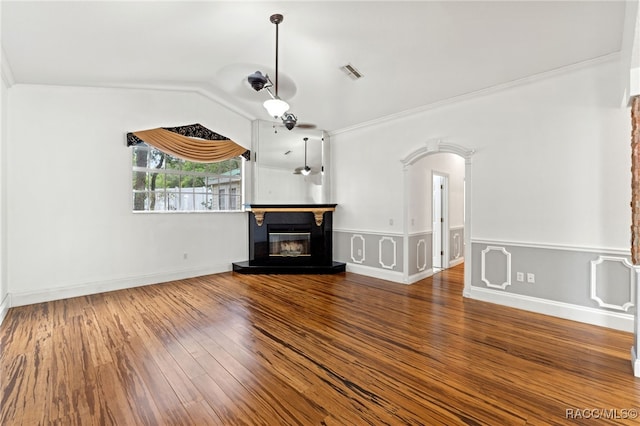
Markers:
(444, 223)
(437, 146)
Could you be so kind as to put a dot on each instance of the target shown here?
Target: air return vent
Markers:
(351, 71)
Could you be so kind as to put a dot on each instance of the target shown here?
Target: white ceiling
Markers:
(411, 53)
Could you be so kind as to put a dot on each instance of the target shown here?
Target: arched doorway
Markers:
(409, 162)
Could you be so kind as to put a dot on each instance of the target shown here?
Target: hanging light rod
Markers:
(306, 170)
(275, 106)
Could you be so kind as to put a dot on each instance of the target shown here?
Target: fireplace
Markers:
(290, 239)
(289, 244)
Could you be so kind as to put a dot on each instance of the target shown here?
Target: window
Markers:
(162, 182)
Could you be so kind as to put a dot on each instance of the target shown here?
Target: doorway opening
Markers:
(437, 211)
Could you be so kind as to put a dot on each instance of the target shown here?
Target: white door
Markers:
(439, 215)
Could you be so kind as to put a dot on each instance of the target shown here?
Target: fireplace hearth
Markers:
(290, 239)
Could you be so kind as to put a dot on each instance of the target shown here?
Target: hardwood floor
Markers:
(316, 349)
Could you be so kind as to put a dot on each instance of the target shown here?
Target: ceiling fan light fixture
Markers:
(257, 81)
(276, 107)
(289, 120)
(306, 170)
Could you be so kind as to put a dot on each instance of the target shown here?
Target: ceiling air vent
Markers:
(351, 71)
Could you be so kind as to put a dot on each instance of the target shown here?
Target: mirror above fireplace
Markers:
(280, 158)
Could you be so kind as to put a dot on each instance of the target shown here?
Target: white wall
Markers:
(420, 188)
(70, 221)
(552, 163)
(280, 186)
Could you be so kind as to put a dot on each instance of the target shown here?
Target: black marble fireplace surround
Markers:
(290, 239)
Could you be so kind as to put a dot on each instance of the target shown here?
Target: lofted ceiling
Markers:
(411, 54)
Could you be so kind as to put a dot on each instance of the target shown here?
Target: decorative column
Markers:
(635, 225)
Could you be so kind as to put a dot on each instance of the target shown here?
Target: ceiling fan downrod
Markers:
(275, 106)
(276, 19)
(306, 169)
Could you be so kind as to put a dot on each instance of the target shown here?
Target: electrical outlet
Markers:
(520, 277)
(359, 252)
(531, 278)
(185, 256)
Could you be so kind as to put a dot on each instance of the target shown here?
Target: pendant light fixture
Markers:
(306, 170)
(275, 106)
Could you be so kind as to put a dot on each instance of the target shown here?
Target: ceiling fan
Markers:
(306, 126)
(306, 170)
(275, 106)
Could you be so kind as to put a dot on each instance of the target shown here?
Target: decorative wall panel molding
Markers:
(421, 243)
(618, 285)
(457, 246)
(386, 241)
(495, 256)
(355, 257)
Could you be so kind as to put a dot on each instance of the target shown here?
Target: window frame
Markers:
(213, 196)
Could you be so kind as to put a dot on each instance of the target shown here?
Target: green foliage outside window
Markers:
(165, 183)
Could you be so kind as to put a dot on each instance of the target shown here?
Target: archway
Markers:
(430, 148)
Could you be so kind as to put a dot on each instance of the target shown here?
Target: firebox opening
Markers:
(289, 244)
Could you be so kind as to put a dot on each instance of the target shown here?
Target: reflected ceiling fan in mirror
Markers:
(306, 170)
(276, 107)
(290, 121)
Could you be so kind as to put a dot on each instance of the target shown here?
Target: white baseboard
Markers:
(28, 298)
(635, 362)
(615, 320)
(383, 274)
(419, 276)
(4, 307)
(395, 276)
(456, 262)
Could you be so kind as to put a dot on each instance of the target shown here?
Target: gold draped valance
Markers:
(205, 147)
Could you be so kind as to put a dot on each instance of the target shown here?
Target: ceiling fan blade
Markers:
(306, 126)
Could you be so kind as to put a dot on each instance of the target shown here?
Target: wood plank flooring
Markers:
(340, 349)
